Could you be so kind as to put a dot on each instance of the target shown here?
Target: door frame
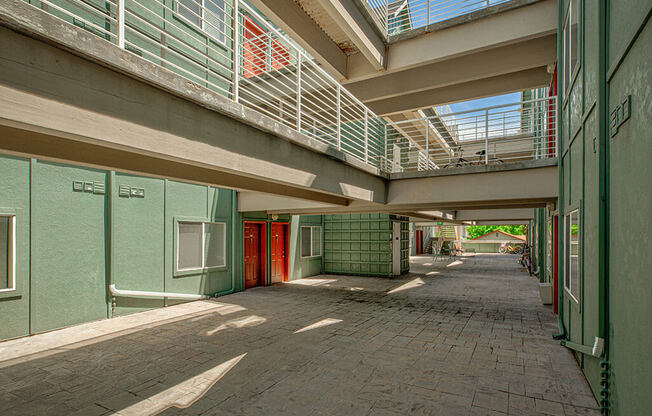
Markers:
(263, 251)
(286, 260)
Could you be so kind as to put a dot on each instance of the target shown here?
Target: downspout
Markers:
(234, 239)
(560, 199)
(605, 405)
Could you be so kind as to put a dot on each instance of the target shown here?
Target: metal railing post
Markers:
(236, 51)
(486, 137)
(428, 14)
(366, 135)
(339, 117)
(385, 155)
(121, 24)
(299, 91)
(427, 143)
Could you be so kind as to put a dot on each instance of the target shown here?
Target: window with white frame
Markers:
(311, 241)
(571, 42)
(208, 15)
(7, 253)
(200, 245)
(572, 254)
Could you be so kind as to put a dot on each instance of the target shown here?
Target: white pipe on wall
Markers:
(146, 294)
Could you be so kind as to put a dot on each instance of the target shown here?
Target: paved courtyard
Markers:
(464, 337)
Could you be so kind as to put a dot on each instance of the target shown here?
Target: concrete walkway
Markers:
(465, 337)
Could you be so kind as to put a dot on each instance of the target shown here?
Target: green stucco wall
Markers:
(72, 244)
(604, 174)
(301, 267)
(15, 200)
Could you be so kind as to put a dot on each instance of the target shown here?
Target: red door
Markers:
(278, 252)
(419, 236)
(255, 49)
(252, 257)
(555, 263)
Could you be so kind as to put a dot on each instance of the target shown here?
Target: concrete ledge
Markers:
(529, 164)
(460, 20)
(36, 23)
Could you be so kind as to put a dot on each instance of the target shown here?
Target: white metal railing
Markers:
(398, 16)
(228, 47)
(524, 130)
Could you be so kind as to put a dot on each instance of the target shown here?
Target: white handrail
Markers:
(147, 294)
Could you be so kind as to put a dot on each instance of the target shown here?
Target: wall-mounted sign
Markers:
(620, 115)
(126, 191)
(90, 187)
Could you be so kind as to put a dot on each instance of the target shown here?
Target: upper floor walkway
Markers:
(95, 85)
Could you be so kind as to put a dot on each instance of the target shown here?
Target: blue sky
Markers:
(486, 102)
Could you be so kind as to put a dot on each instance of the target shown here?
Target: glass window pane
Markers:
(191, 10)
(567, 228)
(316, 241)
(189, 254)
(214, 244)
(574, 254)
(305, 241)
(214, 24)
(5, 241)
(574, 34)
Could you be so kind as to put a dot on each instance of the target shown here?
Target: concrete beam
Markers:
(509, 59)
(356, 27)
(508, 27)
(518, 185)
(257, 201)
(522, 214)
(296, 23)
(50, 96)
(486, 87)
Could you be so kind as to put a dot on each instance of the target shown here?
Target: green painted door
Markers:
(68, 246)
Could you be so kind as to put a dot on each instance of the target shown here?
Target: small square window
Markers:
(207, 15)
(7, 253)
(200, 245)
(311, 241)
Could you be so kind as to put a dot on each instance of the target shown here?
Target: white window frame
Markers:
(12, 253)
(202, 18)
(203, 246)
(567, 254)
(312, 249)
(568, 67)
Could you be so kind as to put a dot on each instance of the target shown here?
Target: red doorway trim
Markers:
(263, 251)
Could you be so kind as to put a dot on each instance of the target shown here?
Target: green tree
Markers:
(476, 231)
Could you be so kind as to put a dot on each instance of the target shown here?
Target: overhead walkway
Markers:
(475, 49)
(273, 123)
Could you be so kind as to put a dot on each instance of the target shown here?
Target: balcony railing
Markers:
(394, 17)
(228, 47)
(525, 130)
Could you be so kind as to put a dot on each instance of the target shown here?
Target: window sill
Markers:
(194, 272)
